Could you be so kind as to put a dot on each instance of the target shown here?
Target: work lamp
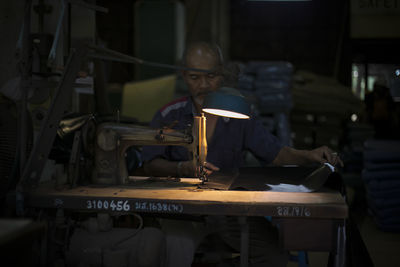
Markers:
(227, 102)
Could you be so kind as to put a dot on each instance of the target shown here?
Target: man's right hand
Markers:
(162, 167)
(188, 168)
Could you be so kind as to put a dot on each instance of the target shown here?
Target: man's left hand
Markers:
(324, 154)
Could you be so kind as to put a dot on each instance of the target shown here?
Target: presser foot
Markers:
(203, 175)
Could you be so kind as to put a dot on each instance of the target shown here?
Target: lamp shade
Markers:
(227, 102)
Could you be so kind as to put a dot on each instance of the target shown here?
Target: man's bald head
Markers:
(203, 53)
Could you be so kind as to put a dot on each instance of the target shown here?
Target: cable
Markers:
(112, 55)
(113, 246)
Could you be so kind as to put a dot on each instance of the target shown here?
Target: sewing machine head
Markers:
(113, 139)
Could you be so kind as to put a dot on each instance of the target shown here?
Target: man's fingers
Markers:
(332, 157)
(324, 154)
(328, 154)
(335, 159)
(208, 172)
(211, 166)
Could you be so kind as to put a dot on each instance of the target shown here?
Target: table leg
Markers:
(244, 241)
(340, 257)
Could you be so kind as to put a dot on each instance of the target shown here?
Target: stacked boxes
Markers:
(381, 176)
(268, 84)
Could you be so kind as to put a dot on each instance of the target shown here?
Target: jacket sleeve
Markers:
(258, 140)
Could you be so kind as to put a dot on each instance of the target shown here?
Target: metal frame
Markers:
(41, 149)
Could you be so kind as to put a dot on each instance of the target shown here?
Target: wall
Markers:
(312, 35)
(11, 17)
(208, 20)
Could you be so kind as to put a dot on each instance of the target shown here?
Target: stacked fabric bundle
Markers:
(356, 135)
(268, 83)
(381, 175)
(272, 85)
(321, 105)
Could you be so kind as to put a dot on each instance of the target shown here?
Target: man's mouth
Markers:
(203, 93)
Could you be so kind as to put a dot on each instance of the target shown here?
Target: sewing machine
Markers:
(113, 139)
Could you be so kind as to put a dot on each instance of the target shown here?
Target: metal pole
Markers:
(24, 67)
(340, 257)
(244, 241)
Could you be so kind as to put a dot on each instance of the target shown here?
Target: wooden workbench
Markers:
(190, 200)
(316, 220)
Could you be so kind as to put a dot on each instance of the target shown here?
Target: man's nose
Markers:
(204, 83)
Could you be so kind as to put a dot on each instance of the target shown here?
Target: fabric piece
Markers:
(311, 178)
(381, 181)
(380, 156)
(182, 240)
(382, 166)
(289, 188)
(311, 183)
(145, 248)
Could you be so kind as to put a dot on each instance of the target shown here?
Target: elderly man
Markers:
(227, 140)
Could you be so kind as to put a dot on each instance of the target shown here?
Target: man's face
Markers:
(202, 83)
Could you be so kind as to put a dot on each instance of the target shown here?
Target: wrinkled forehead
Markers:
(202, 58)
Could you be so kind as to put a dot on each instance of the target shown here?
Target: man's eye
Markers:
(211, 75)
(193, 77)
